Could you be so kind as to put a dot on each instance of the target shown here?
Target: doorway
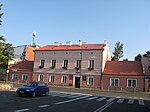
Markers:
(77, 82)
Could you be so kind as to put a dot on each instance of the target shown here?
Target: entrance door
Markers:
(77, 82)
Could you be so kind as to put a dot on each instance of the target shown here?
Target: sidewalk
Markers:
(116, 94)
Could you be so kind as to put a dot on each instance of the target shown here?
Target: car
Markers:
(33, 89)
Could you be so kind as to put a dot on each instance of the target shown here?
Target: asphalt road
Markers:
(70, 102)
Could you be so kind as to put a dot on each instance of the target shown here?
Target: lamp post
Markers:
(7, 75)
(80, 44)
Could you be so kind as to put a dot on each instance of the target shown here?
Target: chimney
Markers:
(69, 43)
(56, 43)
(80, 42)
(105, 41)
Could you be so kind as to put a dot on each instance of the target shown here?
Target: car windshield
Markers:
(32, 84)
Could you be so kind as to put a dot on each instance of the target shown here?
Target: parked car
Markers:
(33, 88)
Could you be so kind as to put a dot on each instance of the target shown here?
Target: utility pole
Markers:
(33, 34)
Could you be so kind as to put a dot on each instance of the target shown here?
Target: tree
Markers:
(8, 53)
(118, 51)
(138, 57)
(147, 54)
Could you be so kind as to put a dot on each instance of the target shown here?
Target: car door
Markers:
(39, 89)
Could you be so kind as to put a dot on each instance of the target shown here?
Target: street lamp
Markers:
(7, 75)
(80, 44)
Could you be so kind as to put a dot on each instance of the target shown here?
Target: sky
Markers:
(92, 21)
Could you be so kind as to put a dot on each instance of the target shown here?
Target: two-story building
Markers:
(76, 65)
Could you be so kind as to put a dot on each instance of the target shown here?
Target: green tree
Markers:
(8, 54)
(138, 57)
(118, 51)
(147, 54)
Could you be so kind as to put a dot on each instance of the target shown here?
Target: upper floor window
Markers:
(42, 63)
(14, 76)
(65, 64)
(78, 64)
(91, 64)
(90, 81)
(114, 82)
(24, 77)
(53, 63)
(131, 82)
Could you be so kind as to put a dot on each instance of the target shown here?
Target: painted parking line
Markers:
(66, 101)
(110, 100)
(91, 98)
(130, 101)
(100, 99)
(42, 106)
(102, 108)
(22, 110)
(120, 100)
(141, 102)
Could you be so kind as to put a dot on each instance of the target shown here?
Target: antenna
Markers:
(33, 34)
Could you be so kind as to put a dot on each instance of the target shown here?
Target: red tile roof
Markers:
(73, 47)
(23, 65)
(123, 68)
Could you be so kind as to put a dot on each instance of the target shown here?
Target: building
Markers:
(123, 76)
(76, 65)
(22, 72)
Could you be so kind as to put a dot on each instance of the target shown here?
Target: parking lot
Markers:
(70, 102)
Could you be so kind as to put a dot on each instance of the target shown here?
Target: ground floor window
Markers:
(114, 82)
(24, 77)
(131, 83)
(64, 79)
(41, 77)
(14, 76)
(52, 78)
(90, 81)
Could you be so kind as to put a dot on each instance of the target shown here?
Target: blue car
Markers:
(33, 88)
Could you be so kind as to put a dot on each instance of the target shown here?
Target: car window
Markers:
(34, 84)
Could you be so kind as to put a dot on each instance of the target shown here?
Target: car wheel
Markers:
(33, 94)
(47, 93)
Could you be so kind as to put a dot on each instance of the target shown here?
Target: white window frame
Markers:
(26, 77)
(14, 75)
(88, 81)
(40, 77)
(64, 63)
(89, 63)
(114, 82)
(52, 79)
(41, 62)
(77, 63)
(52, 63)
(62, 79)
(132, 86)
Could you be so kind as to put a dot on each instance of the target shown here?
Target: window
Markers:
(90, 81)
(78, 64)
(131, 83)
(14, 76)
(114, 82)
(65, 63)
(53, 63)
(91, 63)
(52, 78)
(64, 79)
(24, 77)
(41, 78)
(42, 63)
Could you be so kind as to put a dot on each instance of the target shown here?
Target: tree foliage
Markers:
(118, 51)
(147, 54)
(138, 57)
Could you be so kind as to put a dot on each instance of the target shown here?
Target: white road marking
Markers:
(73, 96)
(131, 101)
(111, 99)
(104, 107)
(120, 100)
(22, 110)
(62, 102)
(100, 99)
(91, 98)
(141, 102)
(42, 106)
